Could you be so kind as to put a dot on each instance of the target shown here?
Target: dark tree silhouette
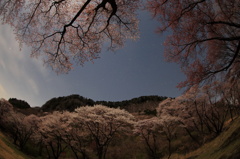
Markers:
(19, 103)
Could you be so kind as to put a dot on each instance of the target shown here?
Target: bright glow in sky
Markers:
(137, 69)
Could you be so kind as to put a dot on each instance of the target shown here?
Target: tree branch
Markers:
(230, 63)
(224, 22)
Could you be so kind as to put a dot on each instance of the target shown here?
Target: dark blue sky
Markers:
(135, 70)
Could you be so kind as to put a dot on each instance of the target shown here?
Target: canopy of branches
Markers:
(65, 32)
(205, 37)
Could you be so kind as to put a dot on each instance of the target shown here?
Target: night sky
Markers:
(137, 69)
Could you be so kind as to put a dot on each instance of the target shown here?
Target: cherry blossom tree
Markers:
(52, 130)
(157, 129)
(103, 124)
(149, 130)
(20, 127)
(230, 96)
(211, 107)
(187, 114)
(77, 137)
(170, 126)
(26, 129)
(82, 130)
(64, 32)
(5, 108)
(204, 37)
(201, 111)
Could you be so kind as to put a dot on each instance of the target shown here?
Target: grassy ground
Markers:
(8, 150)
(225, 146)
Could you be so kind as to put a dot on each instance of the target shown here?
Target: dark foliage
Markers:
(150, 112)
(74, 101)
(66, 103)
(17, 103)
(125, 103)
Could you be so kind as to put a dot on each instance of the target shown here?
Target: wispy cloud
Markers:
(19, 72)
(3, 93)
(33, 86)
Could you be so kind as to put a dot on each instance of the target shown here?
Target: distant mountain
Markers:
(145, 104)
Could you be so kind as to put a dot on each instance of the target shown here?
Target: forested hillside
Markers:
(141, 104)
